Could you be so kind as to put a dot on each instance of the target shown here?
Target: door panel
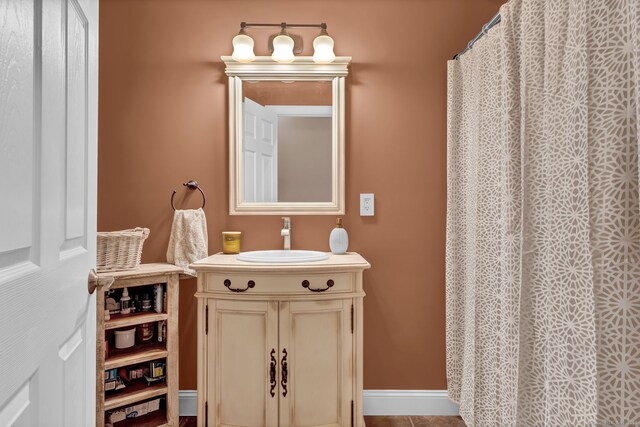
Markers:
(250, 185)
(72, 354)
(318, 342)
(48, 144)
(76, 144)
(241, 338)
(260, 153)
(19, 185)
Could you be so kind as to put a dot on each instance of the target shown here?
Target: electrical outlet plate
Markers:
(366, 204)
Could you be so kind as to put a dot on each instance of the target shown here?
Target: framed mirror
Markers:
(286, 136)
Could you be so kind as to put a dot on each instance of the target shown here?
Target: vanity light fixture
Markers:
(284, 46)
(243, 46)
(323, 47)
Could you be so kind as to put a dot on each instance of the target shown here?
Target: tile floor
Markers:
(382, 422)
(414, 421)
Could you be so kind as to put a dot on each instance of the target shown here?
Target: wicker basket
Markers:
(120, 250)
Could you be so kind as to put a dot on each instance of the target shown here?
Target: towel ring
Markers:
(191, 185)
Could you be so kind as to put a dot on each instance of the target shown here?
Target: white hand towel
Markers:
(188, 241)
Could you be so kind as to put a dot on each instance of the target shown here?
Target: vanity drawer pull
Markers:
(250, 284)
(305, 284)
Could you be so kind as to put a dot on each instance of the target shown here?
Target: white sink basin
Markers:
(282, 256)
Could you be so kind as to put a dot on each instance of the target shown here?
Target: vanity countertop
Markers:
(351, 261)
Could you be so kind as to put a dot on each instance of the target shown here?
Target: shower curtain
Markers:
(543, 218)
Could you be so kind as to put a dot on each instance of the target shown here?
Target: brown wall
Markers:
(296, 93)
(163, 121)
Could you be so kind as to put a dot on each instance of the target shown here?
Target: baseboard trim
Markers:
(188, 400)
(408, 402)
(376, 402)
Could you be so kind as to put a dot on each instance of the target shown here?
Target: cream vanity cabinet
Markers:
(280, 344)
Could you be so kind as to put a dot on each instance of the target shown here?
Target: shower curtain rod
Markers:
(486, 27)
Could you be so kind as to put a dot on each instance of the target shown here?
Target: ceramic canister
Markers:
(125, 338)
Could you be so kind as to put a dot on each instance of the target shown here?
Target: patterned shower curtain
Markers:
(543, 219)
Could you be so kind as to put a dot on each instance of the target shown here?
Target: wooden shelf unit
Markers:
(136, 393)
(154, 419)
(124, 320)
(136, 354)
(146, 274)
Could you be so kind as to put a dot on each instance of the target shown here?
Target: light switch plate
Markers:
(366, 204)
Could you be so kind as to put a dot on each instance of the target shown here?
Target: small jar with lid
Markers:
(231, 242)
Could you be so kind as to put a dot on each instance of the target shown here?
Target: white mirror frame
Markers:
(301, 69)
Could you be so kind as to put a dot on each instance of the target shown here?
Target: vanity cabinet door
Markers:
(316, 363)
(243, 352)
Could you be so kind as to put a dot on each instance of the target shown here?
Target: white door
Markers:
(316, 346)
(260, 153)
(48, 134)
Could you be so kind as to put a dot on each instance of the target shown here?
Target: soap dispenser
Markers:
(339, 239)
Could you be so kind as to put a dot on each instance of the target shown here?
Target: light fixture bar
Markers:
(282, 24)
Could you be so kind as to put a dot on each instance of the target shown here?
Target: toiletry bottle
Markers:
(158, 298)
(125, 302)
(146, 302)
(132, 303)
(162, 331)
(136, 302)
(339, 239)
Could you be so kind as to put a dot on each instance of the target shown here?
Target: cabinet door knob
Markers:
(250, 284)
(305, 284)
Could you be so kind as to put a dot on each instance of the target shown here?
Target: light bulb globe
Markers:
(243, 48)
(283, 49)
(323, 49)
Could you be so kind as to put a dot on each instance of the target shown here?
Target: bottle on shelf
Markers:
(158, 297)
(146, 302)
(162, 331)
(125, 302)
(136, 303)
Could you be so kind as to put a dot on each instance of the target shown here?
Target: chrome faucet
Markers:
(286, 233)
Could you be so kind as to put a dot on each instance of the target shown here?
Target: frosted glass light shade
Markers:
(243, 48)
(323, 49)
(283, 49)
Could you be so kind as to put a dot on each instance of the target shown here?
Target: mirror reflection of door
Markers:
(260, 153)
(287, 149)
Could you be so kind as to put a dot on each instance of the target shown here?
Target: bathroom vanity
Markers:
(280, 332)
(280, 344)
